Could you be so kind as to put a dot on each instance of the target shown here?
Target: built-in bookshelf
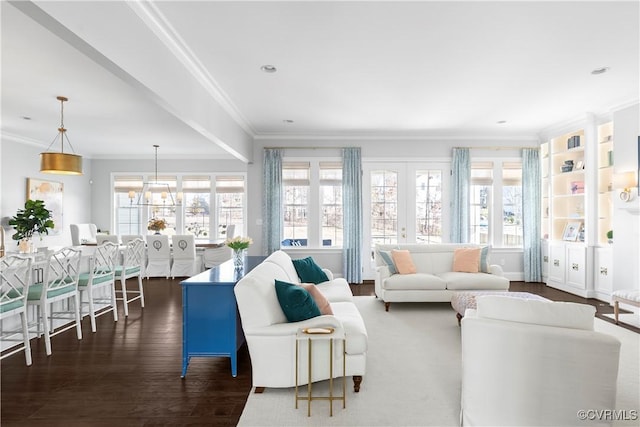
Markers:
(605, 177)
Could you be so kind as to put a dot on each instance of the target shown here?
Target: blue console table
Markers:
(210, 321)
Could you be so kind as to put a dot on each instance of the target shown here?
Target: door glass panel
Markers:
(428, 206)
(384, 207)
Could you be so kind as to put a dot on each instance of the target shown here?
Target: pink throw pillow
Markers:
(402, 260)
(321, 301)
(466, 260)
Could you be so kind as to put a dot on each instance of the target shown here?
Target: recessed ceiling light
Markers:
(601, 70)
(501, 122)
(269, 68)
(26, 118)
(287, 121)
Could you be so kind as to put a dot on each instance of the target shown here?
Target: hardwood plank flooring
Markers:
(128, 373)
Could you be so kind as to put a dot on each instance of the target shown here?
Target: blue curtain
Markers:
(531, 217)
(272, 218)
(352, 214)
(460, 179)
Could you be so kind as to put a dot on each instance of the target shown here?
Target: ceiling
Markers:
(186, 75)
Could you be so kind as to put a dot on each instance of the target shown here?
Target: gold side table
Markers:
(320, 334)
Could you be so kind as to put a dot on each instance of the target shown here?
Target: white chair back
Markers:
(184, 246)
(126, 238)
(83, 233)
(101, 238)
(15, 276)
(231, 231)
(158, 247)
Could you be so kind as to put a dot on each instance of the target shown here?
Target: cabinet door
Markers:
(576, 266)
(556, 263)
(603, 272)
(545, 261)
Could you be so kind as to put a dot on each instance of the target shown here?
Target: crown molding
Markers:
(155, 20)
(391, 137)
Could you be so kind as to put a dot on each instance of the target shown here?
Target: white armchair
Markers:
(83, 233)
(527, 362)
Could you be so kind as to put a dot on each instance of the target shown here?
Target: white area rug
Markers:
(413, 374)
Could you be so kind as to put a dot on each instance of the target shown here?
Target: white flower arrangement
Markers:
(239, 243)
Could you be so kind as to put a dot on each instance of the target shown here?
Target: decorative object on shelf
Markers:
(577, 187)
(624, 181)
(145, 198)
(571, 231)
(157, 225)
(239, 245)
(567, 166)
(579, 165)
(61, 163)
(573, 142)
(610, 157)
(610, 236)
(34, 218)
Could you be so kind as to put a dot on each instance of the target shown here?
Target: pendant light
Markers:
(61, 163)
(145, 198)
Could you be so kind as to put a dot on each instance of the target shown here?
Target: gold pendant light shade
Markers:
(61, 163)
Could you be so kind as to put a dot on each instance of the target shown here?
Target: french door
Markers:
(402, 203)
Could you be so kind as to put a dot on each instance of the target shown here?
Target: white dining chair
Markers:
(158, 256)
(60, 284)
(131, 267)
(113, 238)
(83, 233)
(126, 238)
(101, 275)
(15, 276)
(184, 256)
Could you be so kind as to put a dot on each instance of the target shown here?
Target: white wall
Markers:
(626, 216)
(20, 161)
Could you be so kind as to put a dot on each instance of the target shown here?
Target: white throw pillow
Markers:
(548, 313)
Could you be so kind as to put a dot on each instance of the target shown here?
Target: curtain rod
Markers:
(304, 148)
(498, 147)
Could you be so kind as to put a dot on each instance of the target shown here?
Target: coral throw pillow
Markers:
(466, 260)
(402, 260)
(321, 301)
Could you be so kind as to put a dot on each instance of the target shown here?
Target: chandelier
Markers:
(61, 163)
(145, 197)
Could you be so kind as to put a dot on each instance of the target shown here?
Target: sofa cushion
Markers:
(308, 271)
(386, 257)
(336, 290)
(321, 301)
(548, 313)
(418, 281)
(466, 260)
(353, 324)
(403, 262)
(296, 302)
(474, 281)
(484, 259)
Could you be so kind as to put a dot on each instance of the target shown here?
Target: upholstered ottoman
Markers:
(626, 297)
(463, 300)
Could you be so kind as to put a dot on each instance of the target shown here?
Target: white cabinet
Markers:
(577, 266)
(545, 261)
(569, 268)
(557, 264)
(603, 274)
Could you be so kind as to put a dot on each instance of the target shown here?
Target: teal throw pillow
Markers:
(309, 271)
(296, 302)
(484, 259)
(386, 257)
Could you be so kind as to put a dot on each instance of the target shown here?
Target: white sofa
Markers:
(535, 363)
(272, 340)
(434, 281)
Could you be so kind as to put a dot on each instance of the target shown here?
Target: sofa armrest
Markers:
(329, 273)
(284, 329)
(496, 269)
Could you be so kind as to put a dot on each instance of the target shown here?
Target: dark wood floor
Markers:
(128, 373)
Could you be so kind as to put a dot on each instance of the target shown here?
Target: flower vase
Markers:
(157, 232)
(238, 259)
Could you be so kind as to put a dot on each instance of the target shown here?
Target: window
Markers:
(230, 202)
(197, 206)
(429, 206)
(127, 190)
(163, 208)
(296, 182)
(480, 202)
(512, 204)
(331, 203)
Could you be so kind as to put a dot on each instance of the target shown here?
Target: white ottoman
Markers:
(625, 297)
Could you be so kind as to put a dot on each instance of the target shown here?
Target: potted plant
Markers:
(34, 218)
(610, 236)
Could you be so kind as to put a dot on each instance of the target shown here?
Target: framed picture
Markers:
(571, 231)
(51, 193)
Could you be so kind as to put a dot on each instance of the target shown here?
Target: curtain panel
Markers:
(460, 178)
(272, 218)
(352, 214)
(531, 215)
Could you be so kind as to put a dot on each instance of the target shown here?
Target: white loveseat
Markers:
(535, 363)
(434, 281)
(272, 340)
